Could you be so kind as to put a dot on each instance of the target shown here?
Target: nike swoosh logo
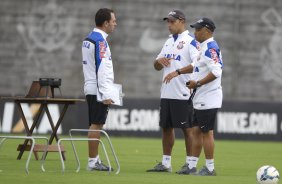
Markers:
(202, 126)
(150, 44)
(182, 123)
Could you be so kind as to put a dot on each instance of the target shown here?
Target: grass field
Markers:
(236, 163)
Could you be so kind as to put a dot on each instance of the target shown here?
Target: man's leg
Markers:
(94, 162)
(197, 144)
(209, 117)
(208, 145)
(188, 144)
(188, 140)
(93, 145)
(168, 142)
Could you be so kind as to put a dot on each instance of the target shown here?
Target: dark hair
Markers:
(102, 15)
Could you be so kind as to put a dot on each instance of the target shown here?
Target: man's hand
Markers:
(191, 84)
(108, 102)
(164, 61)
(170, 76)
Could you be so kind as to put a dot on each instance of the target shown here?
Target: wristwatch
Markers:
(178, 72)
(198, 84)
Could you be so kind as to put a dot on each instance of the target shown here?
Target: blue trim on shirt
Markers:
(175, 37)
(192, 35)
(96, 37)
(194, 43)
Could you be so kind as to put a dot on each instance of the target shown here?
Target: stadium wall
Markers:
(42, 38)
(236, 120)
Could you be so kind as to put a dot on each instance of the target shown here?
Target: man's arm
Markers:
(161, 62)
(158, 66)
(184, 70)
(194, 84)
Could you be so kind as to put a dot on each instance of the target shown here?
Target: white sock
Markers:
(166, 161)
(94, 160)
(210, 164)
(188, 158)
(193, 162)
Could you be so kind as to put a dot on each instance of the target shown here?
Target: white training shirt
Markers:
(97, 64)
(208, 96)
(183, 49)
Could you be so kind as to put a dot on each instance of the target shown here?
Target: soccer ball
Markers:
(267, 175)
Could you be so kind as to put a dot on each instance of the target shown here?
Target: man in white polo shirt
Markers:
(179, 50)
(208, 97)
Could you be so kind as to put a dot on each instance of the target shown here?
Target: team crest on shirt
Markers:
(180, 45)
(102, 49)
(214, 55)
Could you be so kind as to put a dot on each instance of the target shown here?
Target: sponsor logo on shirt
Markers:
(173, 56)
(102, 49)
(214, 55)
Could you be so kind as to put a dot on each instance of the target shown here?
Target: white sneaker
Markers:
(99, 166)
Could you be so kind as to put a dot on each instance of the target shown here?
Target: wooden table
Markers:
(54, 125)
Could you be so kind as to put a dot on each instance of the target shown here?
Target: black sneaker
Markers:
(160, 168)
(186, 170)
(205, 172)
(99, 166)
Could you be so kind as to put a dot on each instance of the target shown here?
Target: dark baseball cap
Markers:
(204, 22)
(175, 14)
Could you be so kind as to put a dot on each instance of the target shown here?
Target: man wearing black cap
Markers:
(208, 97)
(178, 51)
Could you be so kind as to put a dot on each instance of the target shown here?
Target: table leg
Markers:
(55, 127)
(28, 130)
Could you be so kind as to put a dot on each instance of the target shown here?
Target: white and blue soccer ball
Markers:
(267, 175)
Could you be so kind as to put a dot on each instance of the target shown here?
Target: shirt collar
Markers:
(104, 34)
(186, 32)
(179, 35)
(207, 41)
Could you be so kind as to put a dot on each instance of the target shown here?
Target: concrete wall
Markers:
(40, 38)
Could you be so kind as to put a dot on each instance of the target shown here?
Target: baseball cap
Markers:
(175, 14)
(204, 22)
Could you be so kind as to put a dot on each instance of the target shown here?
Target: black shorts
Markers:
(204, 119)
(97, 111)
(175, 113)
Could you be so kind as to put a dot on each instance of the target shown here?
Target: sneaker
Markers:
(160, 168)
(99, 166)
(205, 172)
(186, 170)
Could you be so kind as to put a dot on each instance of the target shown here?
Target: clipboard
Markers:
(116, 95)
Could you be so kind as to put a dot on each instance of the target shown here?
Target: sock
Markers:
(193, 162)
(210, 164)
(188, 158)
(166, 161)
(92, 161)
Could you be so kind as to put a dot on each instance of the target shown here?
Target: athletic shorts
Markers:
(204, 119)
(97, 111)
(175, 113)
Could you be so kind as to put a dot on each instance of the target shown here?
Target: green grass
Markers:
(236, 163)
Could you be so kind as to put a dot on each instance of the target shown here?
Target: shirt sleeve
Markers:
(194, 50)
(104, 66)
(214, 61)
(162, 53)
